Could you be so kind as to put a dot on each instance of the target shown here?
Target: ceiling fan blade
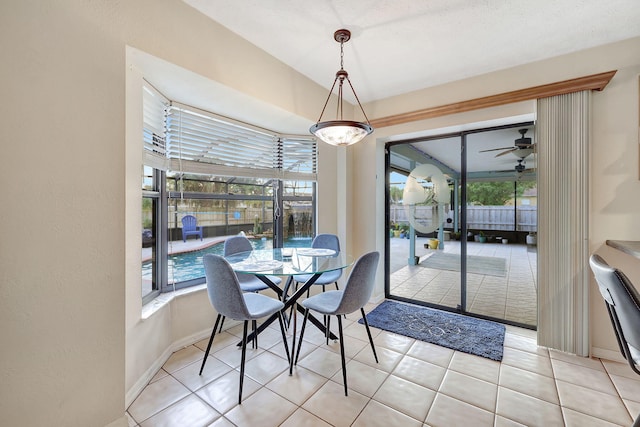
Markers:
(506, 151)
(496, 149)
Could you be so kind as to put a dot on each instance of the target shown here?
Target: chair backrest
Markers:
(223, 288)
(360, 283)
(326, 241)
(189, 222)
(623, 303)
(236, 244)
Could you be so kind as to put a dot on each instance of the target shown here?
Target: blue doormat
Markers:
(462, 333)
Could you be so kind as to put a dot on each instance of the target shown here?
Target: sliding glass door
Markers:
(461, 223)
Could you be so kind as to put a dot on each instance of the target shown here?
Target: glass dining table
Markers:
(289, 262)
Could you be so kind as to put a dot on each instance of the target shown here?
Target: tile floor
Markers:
(414, 384)
(512, 297)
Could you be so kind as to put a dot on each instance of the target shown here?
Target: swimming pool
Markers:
(188, 265)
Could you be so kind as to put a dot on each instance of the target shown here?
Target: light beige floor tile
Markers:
(299, 386)
(221, 340)
(182, 358)
(331, 405)
(395, 342)
(530, 383)
(321, 361)
(159, 375)
(470, 390)
(592, 402)
(190, 377)
(363, 378)
(130, 421)
(505, 422)
(265, 367)
(352, 346)
(527, 410)
(587, 362)
(156, 397)
(527, 361)
(376, 414)
(621, 369)
(420, 372)
(475, 366)
(387, 359)
(524, 343)
(449, 412)
(263, 408)
(586, 377)
(191, 411)
(633, 407)
(577, 419)
(356, 330)
(431, 353)
(232, 355)
(222, 394)
(628, 388)
(404, 396)
(302, 418)
(222, 422)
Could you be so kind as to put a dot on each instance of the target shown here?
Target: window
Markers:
(233, 177)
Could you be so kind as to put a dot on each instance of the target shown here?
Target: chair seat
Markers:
(261, 305)
(325, 302)
(250, 283)
(325, 279)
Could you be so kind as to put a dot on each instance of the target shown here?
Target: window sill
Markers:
(155, 305)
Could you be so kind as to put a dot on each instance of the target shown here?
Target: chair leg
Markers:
(636, 423)
(293, 307)
(221, 323)
(366, 324)
(304, 323)
(327, 331)
(284, 335)
(344, 367)
(213, 334)
(254, 323)
(244, 355)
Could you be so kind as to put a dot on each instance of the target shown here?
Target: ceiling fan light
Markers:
(341, 132)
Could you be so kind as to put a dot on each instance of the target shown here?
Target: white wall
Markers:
(73, 342)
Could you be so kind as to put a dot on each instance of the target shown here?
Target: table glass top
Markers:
(289, 261)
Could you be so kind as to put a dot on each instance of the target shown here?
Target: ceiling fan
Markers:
(522, 147)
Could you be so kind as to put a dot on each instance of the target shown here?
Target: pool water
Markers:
(188, 265)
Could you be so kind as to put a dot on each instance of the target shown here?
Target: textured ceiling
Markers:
(399, 46)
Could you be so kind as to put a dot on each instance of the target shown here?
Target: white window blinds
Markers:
(154, 109)
(202, 142)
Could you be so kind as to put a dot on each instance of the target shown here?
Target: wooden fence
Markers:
(504, 218)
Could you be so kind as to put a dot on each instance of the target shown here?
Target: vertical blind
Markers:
(562, 134)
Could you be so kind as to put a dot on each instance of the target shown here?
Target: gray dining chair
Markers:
(623, 304)
(228, 299)
(354, 296)
(323, 241)
(248, 282)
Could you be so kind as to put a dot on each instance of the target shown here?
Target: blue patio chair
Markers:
(190, 227)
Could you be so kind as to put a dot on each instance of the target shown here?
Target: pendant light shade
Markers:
(341, 132)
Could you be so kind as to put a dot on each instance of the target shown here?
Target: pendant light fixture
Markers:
(339, 131)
